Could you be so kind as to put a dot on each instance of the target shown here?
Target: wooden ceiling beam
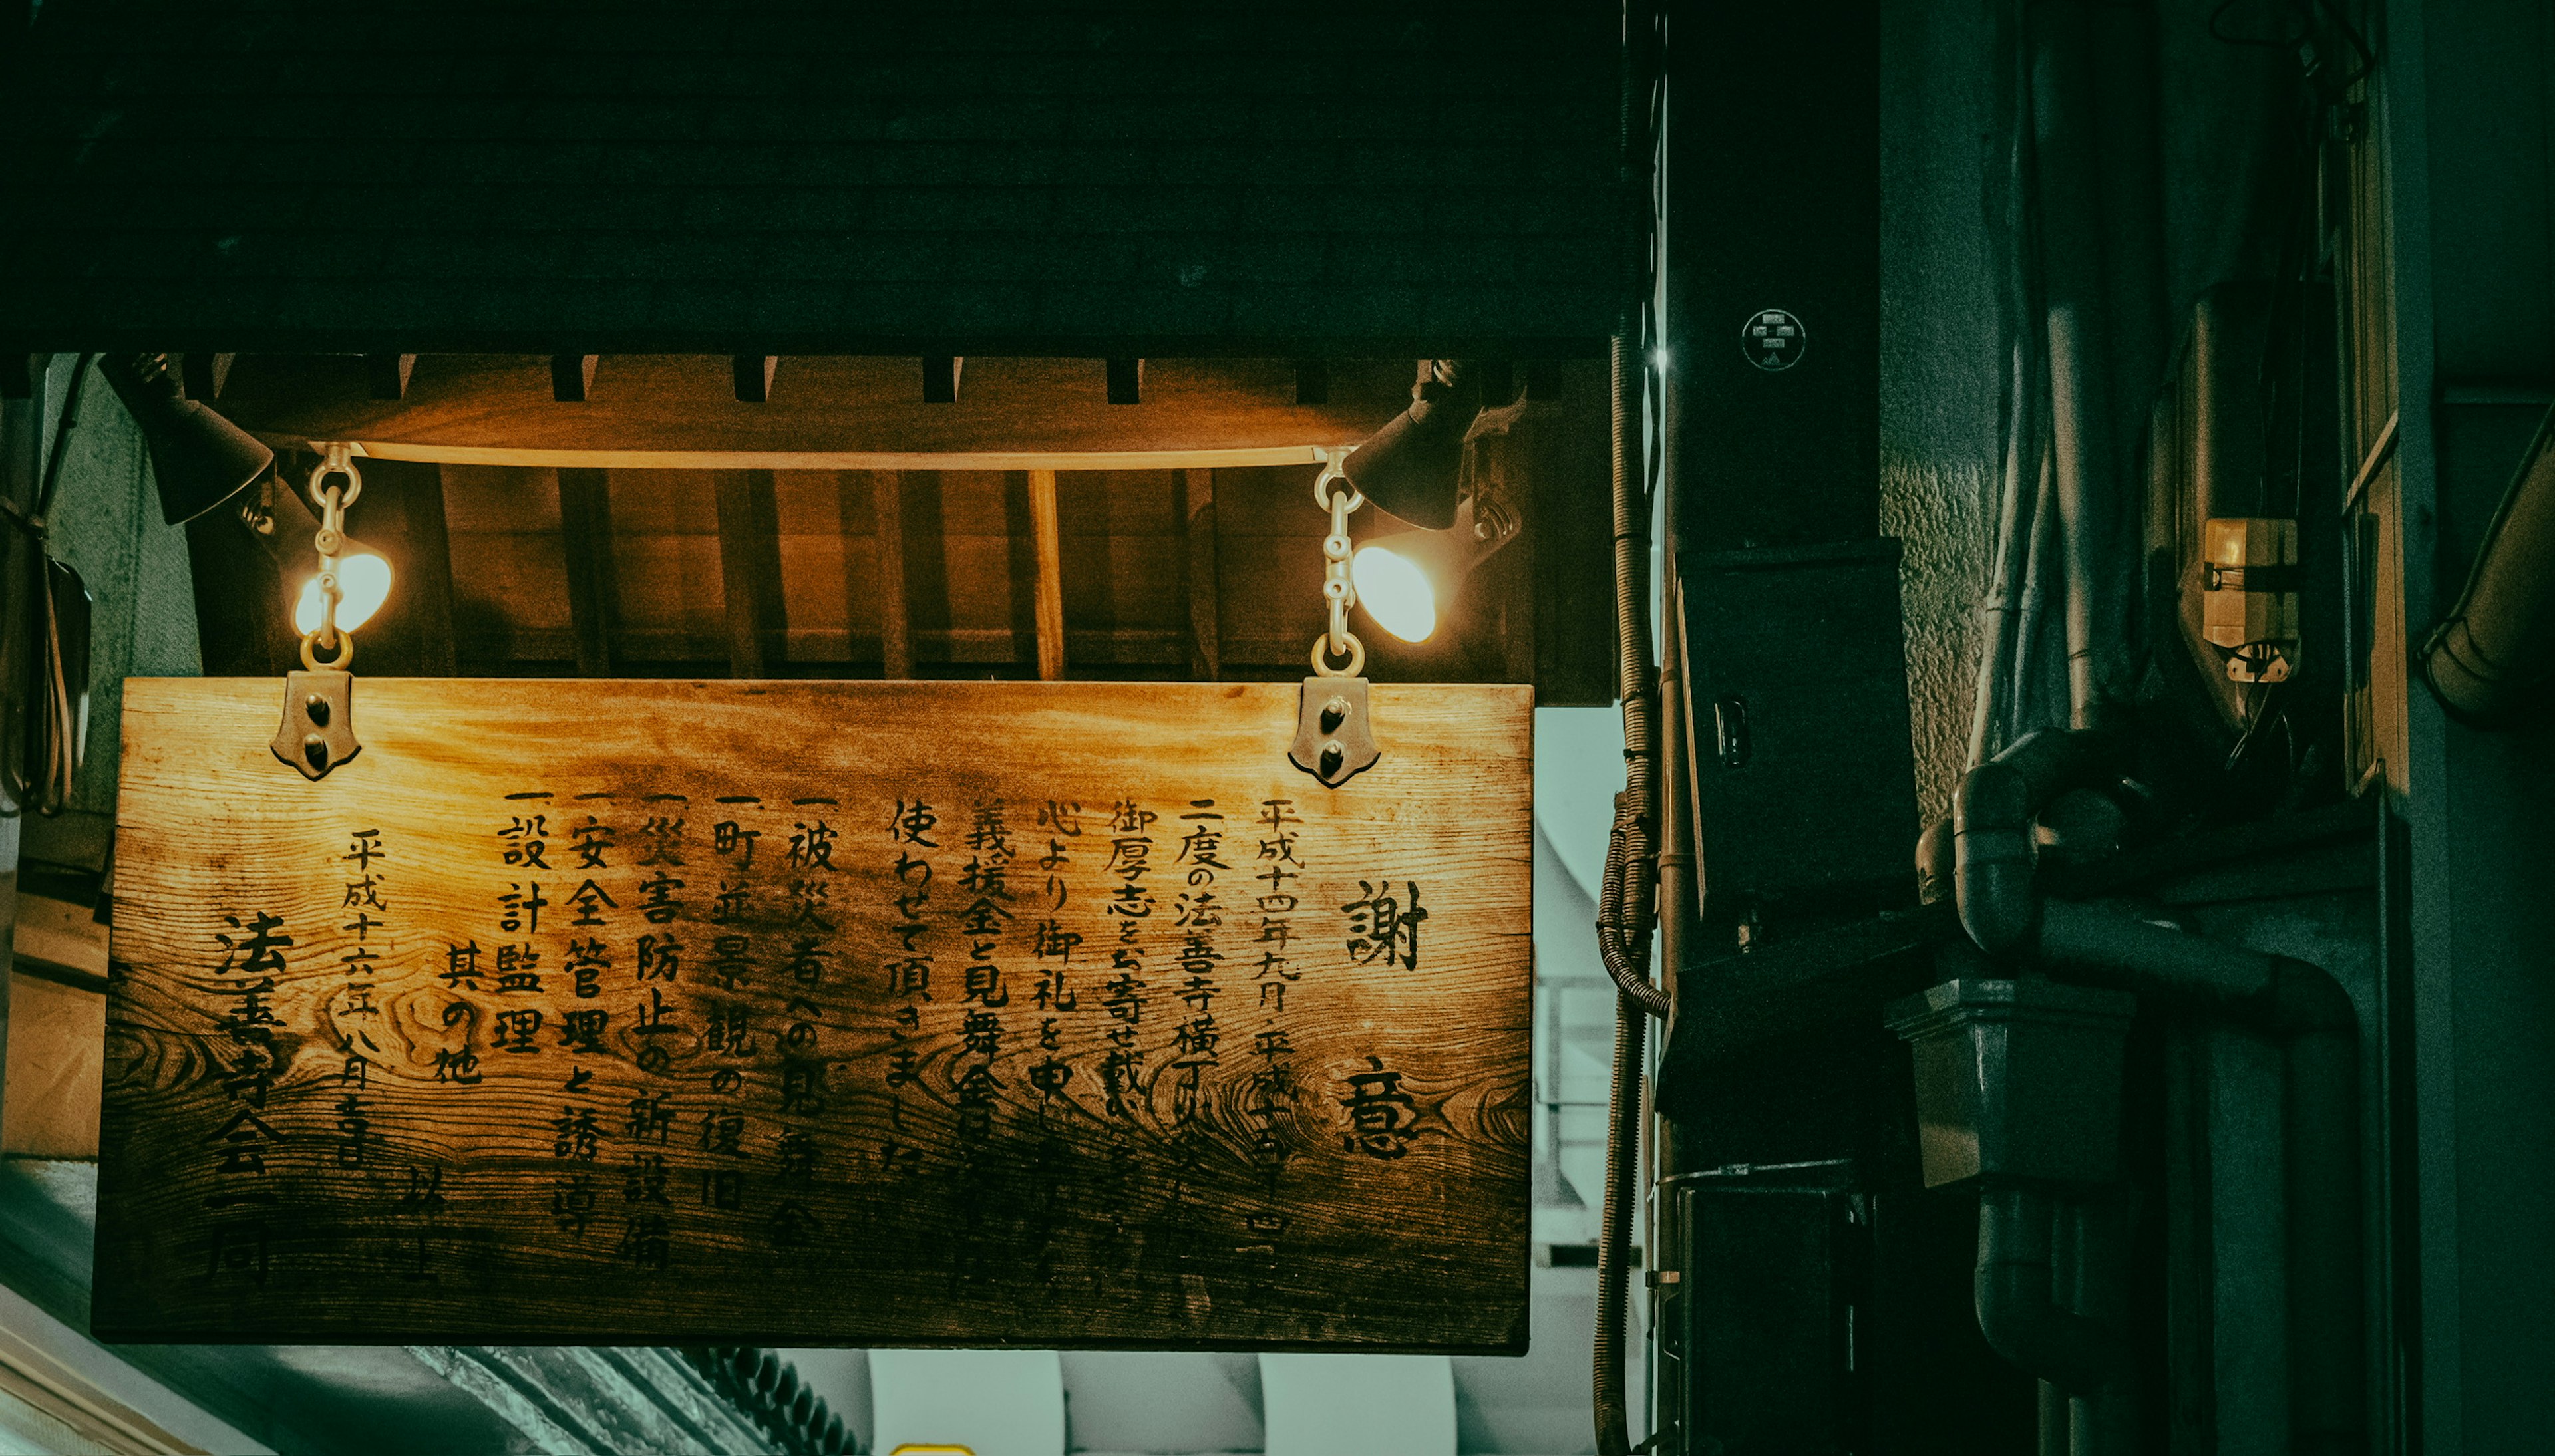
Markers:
(896, 628)
(845, 405)
(1197, 527)
(1312, 382)
(386, 375)
(749, 538)
(572, 377)
(429, 588)
(754, 375)
(204, 374)
(941, 379)
(1126, 381)
(585, 532)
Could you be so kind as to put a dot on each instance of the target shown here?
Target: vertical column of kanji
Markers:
(577, 1133)
(984, 917)
(1383, 931)
(909, 975)
(729, 1039)
(351, 1007)
(243, 1201)
(1052, 942)
(656, 1036)
(1271, 1105)
(1196, 918)
(792, 1222)
(1120, 1180)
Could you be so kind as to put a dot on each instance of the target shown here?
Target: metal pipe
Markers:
(2032, 617)
(1678, 909)
(1997, 628)
(2020, 1309)
(2497, 643)
(1993, 856)
(2082, 426)
(2319, 1030)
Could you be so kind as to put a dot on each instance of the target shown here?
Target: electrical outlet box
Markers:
(1804, 788)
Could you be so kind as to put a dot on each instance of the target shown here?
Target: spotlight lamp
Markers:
(363, 584)
(1408, 581)
(1409, 467)
(197, 458)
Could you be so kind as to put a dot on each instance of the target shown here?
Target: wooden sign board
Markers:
(803, 1014)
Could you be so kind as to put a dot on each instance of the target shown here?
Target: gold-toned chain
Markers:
(1340, 500)
(331, 502)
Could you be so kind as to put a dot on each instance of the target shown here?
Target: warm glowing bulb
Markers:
(1394, 592)
(363, 584)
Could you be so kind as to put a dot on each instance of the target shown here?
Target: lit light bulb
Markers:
(1394, 592)
(363, 584)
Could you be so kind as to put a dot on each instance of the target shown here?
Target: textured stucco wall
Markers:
(1940, 345)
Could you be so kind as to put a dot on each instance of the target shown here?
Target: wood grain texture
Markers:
(799, 1131)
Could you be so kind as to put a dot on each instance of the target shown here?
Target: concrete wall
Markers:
(2469, 92)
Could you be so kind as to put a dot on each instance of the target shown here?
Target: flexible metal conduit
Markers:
(1625, 913)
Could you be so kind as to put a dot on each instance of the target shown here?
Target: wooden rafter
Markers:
(586, 530)
(1050, 575)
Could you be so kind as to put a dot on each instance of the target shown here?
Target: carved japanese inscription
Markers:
(791, 1013)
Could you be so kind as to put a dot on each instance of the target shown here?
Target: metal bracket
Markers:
(319, 731)
(1333, 740)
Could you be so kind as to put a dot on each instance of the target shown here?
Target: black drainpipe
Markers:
(1993, 875)
(2308, 1012)
(2497, 643)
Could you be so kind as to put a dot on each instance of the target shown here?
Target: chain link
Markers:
(331, 502)
(1337, 589)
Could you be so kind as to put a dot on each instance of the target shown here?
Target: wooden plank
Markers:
(896, 631)
(1197, 523)
(585, 533)
(992, 461)
(796, 1131)
(749, 568)
(837, 405)
(1049, 586)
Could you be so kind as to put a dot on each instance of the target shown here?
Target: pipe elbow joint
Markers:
(1991, 857)
(2016, 1291)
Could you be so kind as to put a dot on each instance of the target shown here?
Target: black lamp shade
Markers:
(199, 458)
(1410, 467)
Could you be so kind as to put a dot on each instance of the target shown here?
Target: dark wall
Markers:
(2471, 89)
